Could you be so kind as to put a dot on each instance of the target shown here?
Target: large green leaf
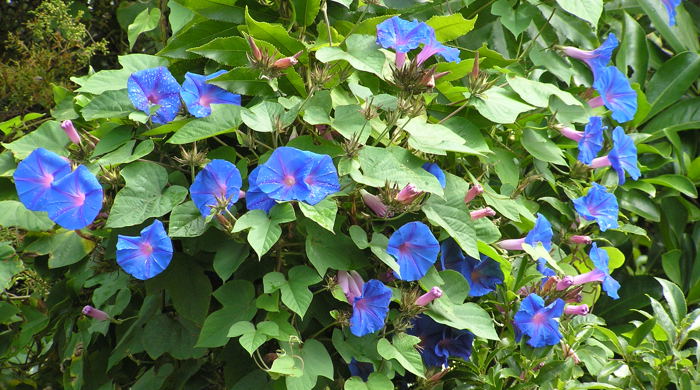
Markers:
(682, 37)
(112, 80)
(225, 118)
(376, 381)
(450, 213)
(231, 51)
(195, 34)
(110, 104)
(176, 336)
(541, 147)
(245, 81)
(295, 290)
(514, 16)
(327, 250)
(684, 115)
(64, 248)
(403, 349)
(323, 213)
(186, 221)
(48, 136)
(250, 337)
(145, 21)
(450, 27)
(436, 138)
(396, 166)
(634, 53)
(316, 362)
(672, 80)
(675, 299)
(677, 182)
(9, 267)
(362, 53)
(538, 93)
(238, 300)
(469, 316)
(13, 213)
(188, 287)
(144, 196)
(589, 11)
(500, 105)
(305, 11)
(264, 231)
(274, 34)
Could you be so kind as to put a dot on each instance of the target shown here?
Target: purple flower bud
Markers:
(481, 213)
(408, 194)
(71, 132)
(428, 297)
(96, 314)
(351, 283)
(565, 283)
(576, 310)
(286, 62)
(375, 204)
(514, 244)
(473, 192)
(581, 240)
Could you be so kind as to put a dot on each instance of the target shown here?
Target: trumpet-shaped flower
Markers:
(615, 93)
(370, 309)
(220, 181)
(482, 276)
(435, 170)
(433, 47)
(199, 96)
(34, 175)
(75, 200)
(440, 342)
(601, 273)
(322, 178)
(591, 141)
(599, 205)
(282, 176)
(146, 255)
(538, 321)
(671, 10)
(415, 248)
(155, 86)
(622, 157)
(402, 35)
(542, 232)
(255, 198)
(595, 59)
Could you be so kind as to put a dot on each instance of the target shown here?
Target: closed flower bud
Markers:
(375, 204)
(473, 192)
(481, 213)
(573, 310)
(96, 314)
(580, 240)
(408, 194)
(70, 131)
(257, 54)
(428, 297)
(286, 62)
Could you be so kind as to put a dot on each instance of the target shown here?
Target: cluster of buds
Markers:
(392, 200)
(268, 63)
(414, 79)
(550, 290)
(192, 158)
(477, 81)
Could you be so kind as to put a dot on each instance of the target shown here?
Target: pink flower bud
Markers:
(428, 297)
(515, 244)
(257, 54)
(70, 131)
(475, 67)
(576, 310)
(96, 314)
(565, 283)
(581, 240)
(408, 194)
(351, 283)
(473, 192)
(481, 213)
(286, 62)
(375, 204)
(600, 162)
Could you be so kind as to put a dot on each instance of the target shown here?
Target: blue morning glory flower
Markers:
(542, 232)
(255, 199)
(436, 171)
(595, 59)
(34, 175)
(440, 342)
(599, 205)
(360, 369)
(433, 47)
(591, 142)
(199, 96)
(623, 156)
(147, 255)
(153, 86)
(369, 310)
(482, 276)
(615, 93)
(544, 269)
(282, 176)
(415, 249)
(671, 9)
(322, 178)
(402, 35)
(601, 273)
(539, 322)
(217, 181)
(75, 199)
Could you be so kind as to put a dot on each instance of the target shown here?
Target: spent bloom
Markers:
(198, 95)
(255, 198)
(580, 240)
(435, 170)
(415, 249)
(408, 194)
(601, 273)
(542, 232)
(146, 255)
(155, 86)
(375, 204)
(482, 275)
(473, 192)
(369, 310)
(218, 183)
(432, 47)
(539, 322)
(622, 157)
(671, 6)
(96, 314)
(440, 342)
(71, 132)
(34, 175)
(595, 59)
(425, 299)
(351, 283)
(599, 205)
(615, 93)
(75, 199)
